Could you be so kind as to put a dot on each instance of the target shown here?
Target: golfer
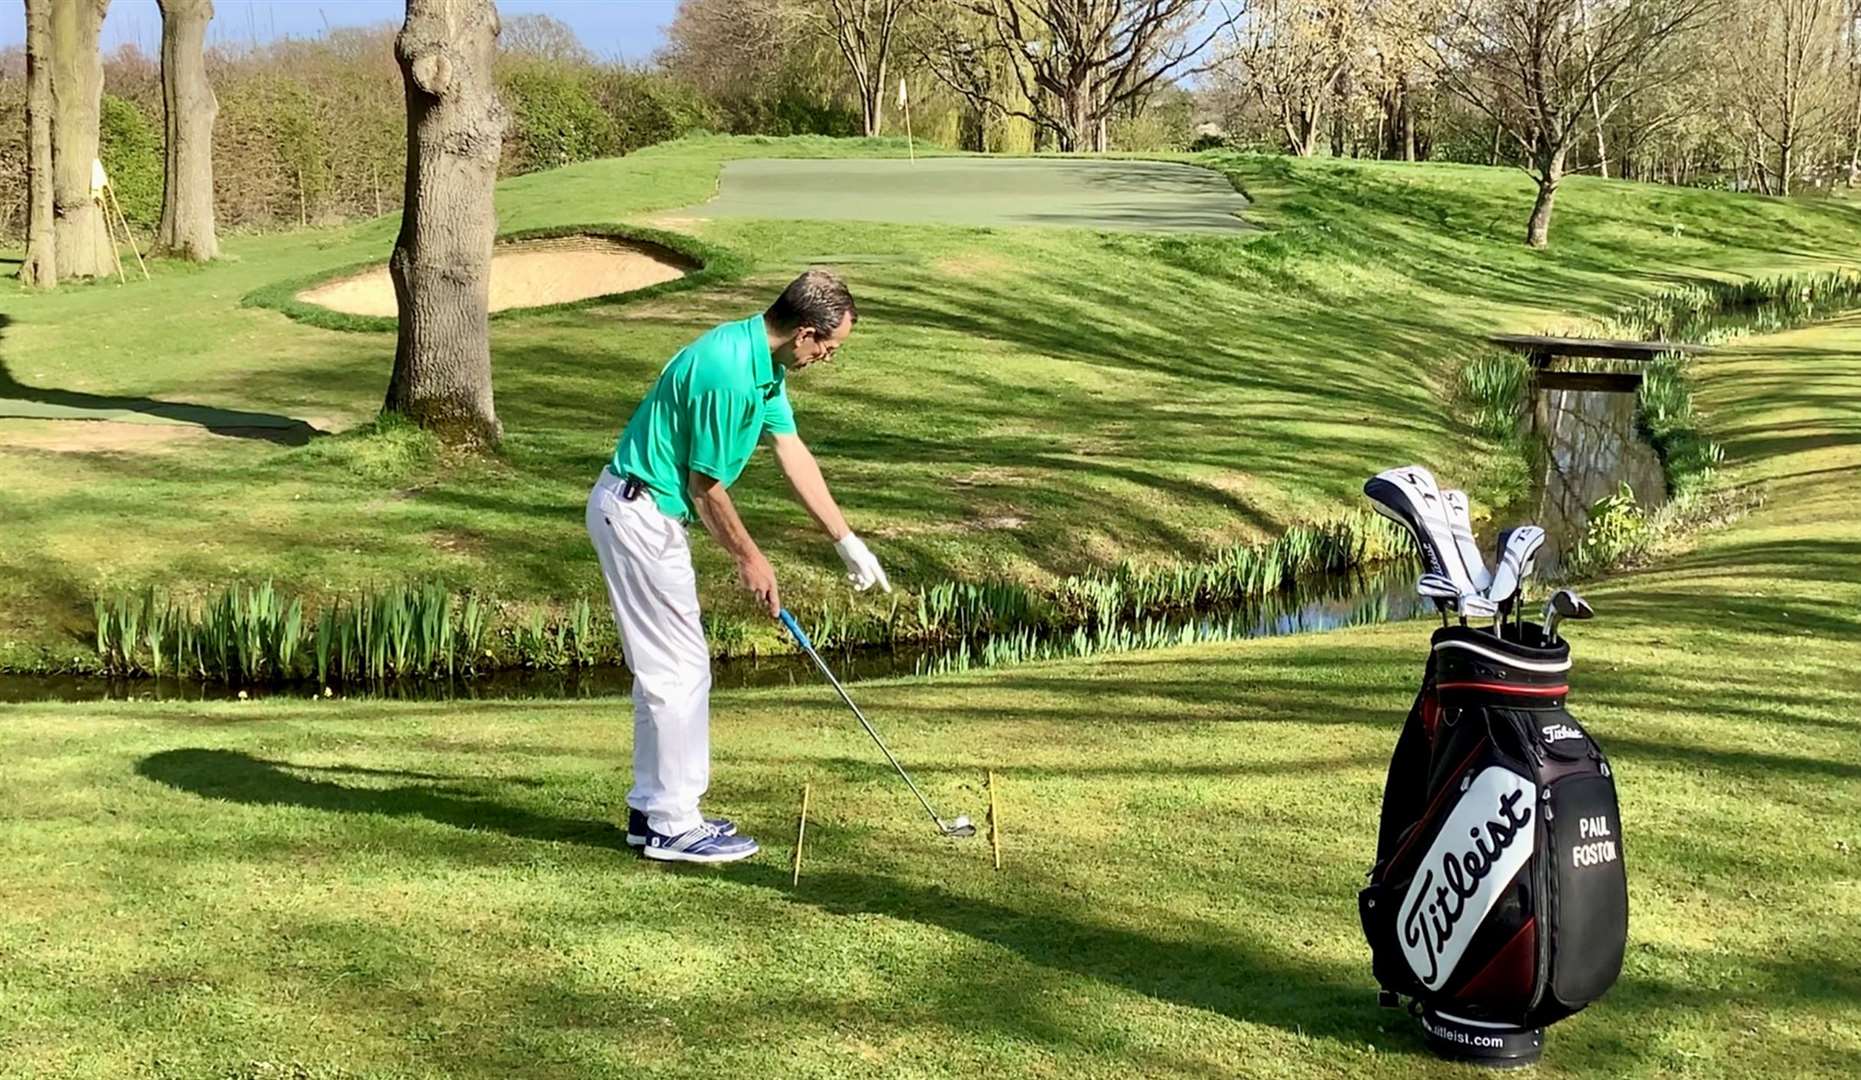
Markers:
(676, 459)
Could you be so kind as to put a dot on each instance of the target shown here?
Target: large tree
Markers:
(1538, 68)
(1289, 55)
(1076, 62)
(441, 264)
(41, 264)
(188, 107)
(864, 30)
(77, 98)
(1786, 59)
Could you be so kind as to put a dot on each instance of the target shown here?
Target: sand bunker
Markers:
(530, 273)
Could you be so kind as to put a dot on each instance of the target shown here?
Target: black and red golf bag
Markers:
(1498, 902)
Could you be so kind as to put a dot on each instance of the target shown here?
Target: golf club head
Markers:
(1475, 606)
(1409, 497)
(1560, 605)
(1436, 587)
(961, 827)
(1569, 605)
(1460, 523)
(1517, 548)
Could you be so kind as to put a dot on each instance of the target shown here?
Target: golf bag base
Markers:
(1498, 903)
(1477, 1043)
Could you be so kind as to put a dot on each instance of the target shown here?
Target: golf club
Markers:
(1560, 605)
(1517, 548)
(1409, 497)
(959, 827)
(1479, 607)
(1440, 590)
(1460, 523)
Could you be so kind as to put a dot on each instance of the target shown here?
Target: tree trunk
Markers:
(872, 104)
(77, 98)
(1075, 118)
(1406, 121)
(1784, 153)
(41, 266)
(1550, 174)
(442, 260)
(1492, 156)
(188, 108)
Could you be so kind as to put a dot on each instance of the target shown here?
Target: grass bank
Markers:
(340, 889)
(1019, 405)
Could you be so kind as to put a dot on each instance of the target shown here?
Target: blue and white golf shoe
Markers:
(703, 844)
(637, 830)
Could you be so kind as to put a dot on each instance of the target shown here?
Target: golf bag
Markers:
(1498, 901)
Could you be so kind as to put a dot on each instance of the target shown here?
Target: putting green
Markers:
(1090, 193)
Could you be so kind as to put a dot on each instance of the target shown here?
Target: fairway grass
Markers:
(1017, 403)
(326, 889)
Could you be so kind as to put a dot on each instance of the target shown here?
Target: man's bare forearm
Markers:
(719, 515)
(810, 487)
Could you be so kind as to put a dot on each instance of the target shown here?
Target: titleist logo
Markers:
(1478, 852)
(1559, 732)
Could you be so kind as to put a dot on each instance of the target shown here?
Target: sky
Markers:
(623, 29)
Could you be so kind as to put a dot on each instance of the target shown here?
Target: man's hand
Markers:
(862, 569)
(759, 578)
(720, 517)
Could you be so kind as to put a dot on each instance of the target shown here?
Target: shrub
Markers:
(555, 119)
(1619, 532)
(131, 149)
(647, 108)
(1495, 384)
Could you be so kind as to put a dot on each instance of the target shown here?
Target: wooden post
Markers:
(995, 822)
(801, 832)
(109, 235)
(110, 190)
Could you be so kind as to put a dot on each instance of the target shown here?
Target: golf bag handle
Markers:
(794, 628)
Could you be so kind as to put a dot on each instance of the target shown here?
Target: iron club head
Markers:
(1564, 604)
(961, 827)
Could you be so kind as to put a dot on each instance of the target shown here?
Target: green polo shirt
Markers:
(713, 402)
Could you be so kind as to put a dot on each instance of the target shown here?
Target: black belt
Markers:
(630, 488)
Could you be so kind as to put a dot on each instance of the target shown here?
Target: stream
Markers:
(1591, 448)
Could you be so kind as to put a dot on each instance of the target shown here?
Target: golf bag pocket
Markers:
(1587, 893)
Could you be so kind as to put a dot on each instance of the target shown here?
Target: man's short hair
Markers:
(817, 300)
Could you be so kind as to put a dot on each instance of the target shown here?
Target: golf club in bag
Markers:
(962, 826)
(1498, 902)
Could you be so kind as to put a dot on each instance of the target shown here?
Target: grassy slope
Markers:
(1017, 402)
(394, 890)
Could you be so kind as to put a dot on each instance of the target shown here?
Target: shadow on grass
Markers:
(231, 776)
(18, 401)
(1245, 982)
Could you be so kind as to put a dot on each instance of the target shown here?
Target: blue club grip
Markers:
(794, 628)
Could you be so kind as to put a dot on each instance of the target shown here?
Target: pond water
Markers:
(1591, 447)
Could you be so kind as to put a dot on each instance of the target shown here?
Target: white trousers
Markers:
(646, 559)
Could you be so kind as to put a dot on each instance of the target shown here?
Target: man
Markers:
(685, 445)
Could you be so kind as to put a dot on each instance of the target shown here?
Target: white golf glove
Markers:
(862, 569)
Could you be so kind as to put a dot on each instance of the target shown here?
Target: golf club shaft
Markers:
(808, 647)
